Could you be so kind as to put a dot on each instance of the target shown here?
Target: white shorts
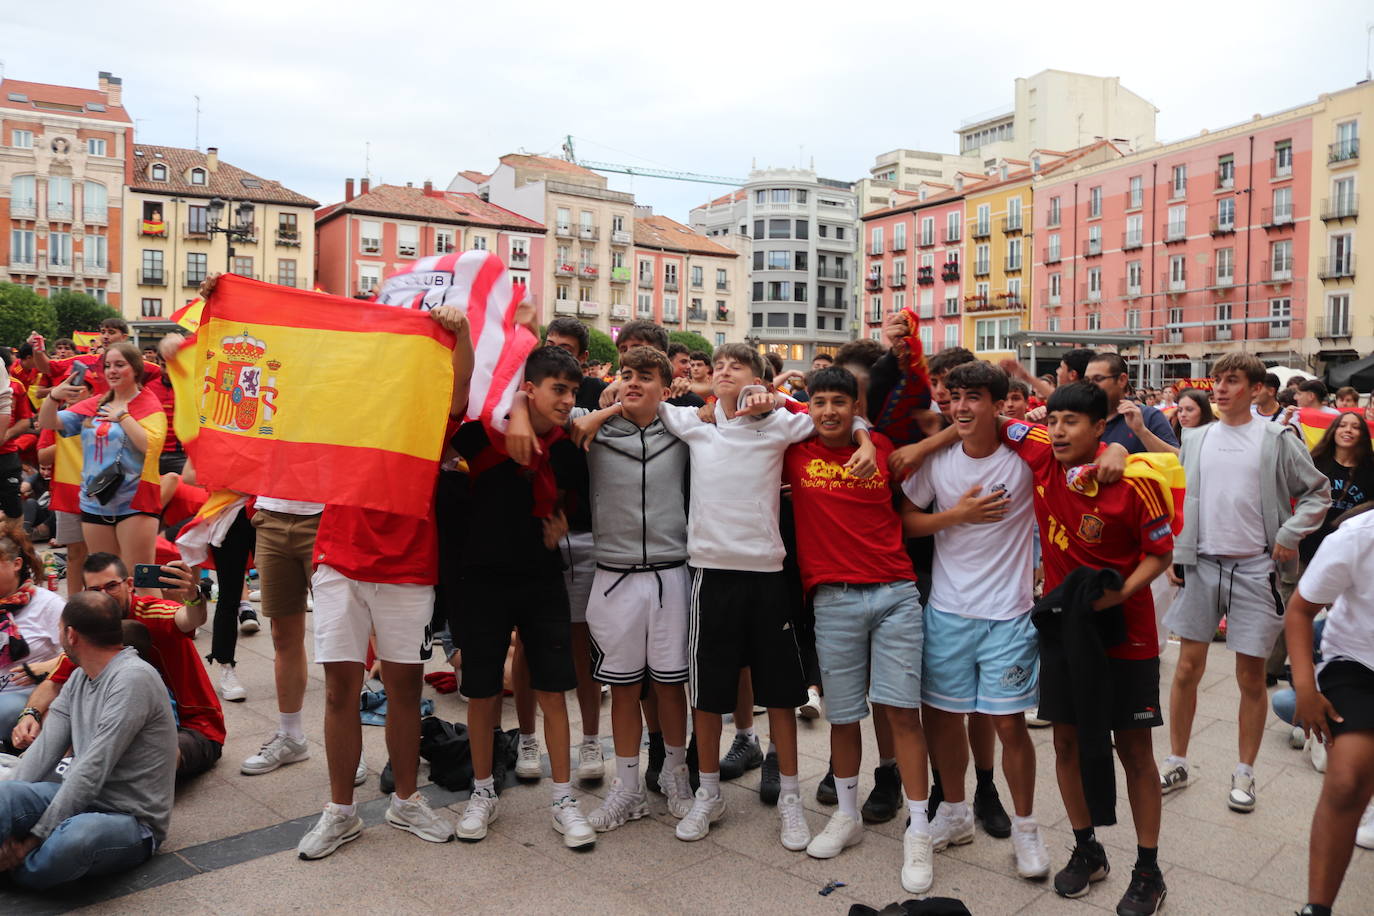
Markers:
(347, 612)
(577, 550)
(638, 623)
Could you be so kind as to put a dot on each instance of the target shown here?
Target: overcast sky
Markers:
(296, 90)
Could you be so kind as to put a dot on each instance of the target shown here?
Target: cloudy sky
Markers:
(297, 90)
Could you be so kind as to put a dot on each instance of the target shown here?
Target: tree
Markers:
(602, 348)
(691, 340)
(79, 312)
(23, 311)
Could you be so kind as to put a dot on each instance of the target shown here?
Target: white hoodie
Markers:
(736, 467)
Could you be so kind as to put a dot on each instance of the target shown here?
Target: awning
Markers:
(1357, 373)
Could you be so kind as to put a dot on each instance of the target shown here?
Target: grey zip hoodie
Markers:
(638, 485)
(1287, 474)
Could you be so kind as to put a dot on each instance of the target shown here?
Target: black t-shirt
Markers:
(502, 533)
(1349, 488)
(690, 399)
(589, 393)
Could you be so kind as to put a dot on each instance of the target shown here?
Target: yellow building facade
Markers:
(997, 261)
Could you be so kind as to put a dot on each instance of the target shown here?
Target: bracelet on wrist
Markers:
(31, 711)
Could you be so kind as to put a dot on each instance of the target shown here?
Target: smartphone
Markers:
(77, 376)
(148, 575)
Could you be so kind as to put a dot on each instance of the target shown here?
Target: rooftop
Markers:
(669, 235)
(409, 202)
(221, 180)
(39, 99)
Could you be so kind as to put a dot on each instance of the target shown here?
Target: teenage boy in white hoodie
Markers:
(740, 612)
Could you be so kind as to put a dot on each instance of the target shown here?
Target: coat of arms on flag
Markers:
(239, 389)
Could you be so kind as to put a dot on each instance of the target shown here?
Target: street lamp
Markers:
(241, 230)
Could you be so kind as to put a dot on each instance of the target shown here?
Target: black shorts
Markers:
(495, 603)
(1350, 688)
(1134, 686)
(109, 521)
(742, 620)
(11, 476)
(197, 752)
(171, 462)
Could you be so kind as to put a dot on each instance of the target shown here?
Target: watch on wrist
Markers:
(31, 711)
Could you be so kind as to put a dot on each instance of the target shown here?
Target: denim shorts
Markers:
(869, 642)
(976, 665)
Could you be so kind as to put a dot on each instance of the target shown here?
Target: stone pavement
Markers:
(232, 842)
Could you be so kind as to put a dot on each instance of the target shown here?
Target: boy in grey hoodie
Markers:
(1239, 531)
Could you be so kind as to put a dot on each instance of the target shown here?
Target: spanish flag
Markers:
(147, 411)
(301, 395)
(1315, 421)
(1166, 472)
(85, 340)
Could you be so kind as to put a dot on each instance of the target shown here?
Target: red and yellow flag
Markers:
(85, 340)
(1315, 420)
(301, 395)
(147, 410)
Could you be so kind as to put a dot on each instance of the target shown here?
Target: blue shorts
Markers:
(868, 642)
(974, 665)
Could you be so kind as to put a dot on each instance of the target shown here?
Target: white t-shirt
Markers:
(982, 571)
(1342, 576)
(289, 506)
(39, 623)
(1231, 518)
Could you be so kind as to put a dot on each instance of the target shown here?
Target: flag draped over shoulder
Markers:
(1166, 471)
(1315, 420)
(477, 283)
(147, 411)
(306, 396)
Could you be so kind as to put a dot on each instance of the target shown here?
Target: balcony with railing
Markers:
(1276, 272)
(1169, 334)
(1219, 226)
(982, 231)
(1339, 208)
(62, 267)
(1342, 151)
(1130, 241)
(1011, 224)
(1276, 217)
(696, 314)
(1279, 171)
(925, 310)
(1174, 232)
(926, 241)
(1011, 301)
(1011, 263)
(723, 286)
(1174, 285)
(520, 260)
(1133, 200)
(1092, 248)
(563, 230)
(1340, 268)
(153, 228)
(952, 234)
(873, 283)
(195, 231)
(976, 304)
(1278, 327)
(61, 212)
(1046, 298)
(670, 284)
(23, 264)
(620, 275)
(898, 243)
(619, 311)
(949, 271)
(92, 269)
(589, 233)
(1220, 331)
(1051, 255)
(192, 279)
(565, 269)
(1087, 294)
(1053, 219)
(925, 276)
(897, 281)
(292, 280)
(646, 281)
(1126, 289)
(1333, 325)
(565, 306)
(982, 268)
(23, 208)
(587, 308)
(1220, 282)
(95, 216)
(620, 237)
(823, 273)
(152, 278)
(722, 313)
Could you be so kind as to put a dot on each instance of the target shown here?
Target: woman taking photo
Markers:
(121, 438)
(29, 627)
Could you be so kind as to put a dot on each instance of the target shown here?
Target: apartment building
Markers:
(174, 242)
(379, 230)
(592, 230)
(803, 241)
(913, 256)
(1204, 244)
(62, 160)
(907, 170)
(684, 281)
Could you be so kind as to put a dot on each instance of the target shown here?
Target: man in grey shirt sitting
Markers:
(112, 808)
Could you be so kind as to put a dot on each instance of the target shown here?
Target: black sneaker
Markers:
(744, 755)
(987, 808)
(248, 619)
(886, 796)
(825, 791)
(1087, 863)
(656, 757)
(1145, 895)
(770, 783)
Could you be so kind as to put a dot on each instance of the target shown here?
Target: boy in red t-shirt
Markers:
(868, 615)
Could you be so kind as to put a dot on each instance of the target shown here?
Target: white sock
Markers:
(1174, 761)
(789, 785)
(345, 810)
(561, 790)
(887, 761)
(591, 739)
(673, 757)
(847, 790)
(1025, 824)
(1244, 769)
(527, 740)
(627, 769)
(772, 748)
(397, 801)
(487, 785)
(916, 809)
(711, 783)
(291, 725)
(747, 732)
(953, 810)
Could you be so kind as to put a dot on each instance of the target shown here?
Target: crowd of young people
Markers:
(674, 532)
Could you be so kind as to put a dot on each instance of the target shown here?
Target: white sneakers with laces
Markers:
(277, 752)
(332, 830)
(1032, 859)
(527, 760)
(918, 858)
(229, 686)
(795, 833)
(482, 808)
(676, 786)
(414, 815)
(1242, 796)
(569, 820)
(591, 763)
(622, 805)
(705, 811)
(811, 709)
(951, 829)
(841, 832)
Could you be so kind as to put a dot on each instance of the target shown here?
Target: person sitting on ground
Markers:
(29, 630)
(113, 805)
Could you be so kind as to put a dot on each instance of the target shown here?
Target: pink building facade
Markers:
(912, 258)
(1202, 245)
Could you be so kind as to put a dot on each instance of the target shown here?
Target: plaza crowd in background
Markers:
(702, 534)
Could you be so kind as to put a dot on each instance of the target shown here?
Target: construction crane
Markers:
(570, 155)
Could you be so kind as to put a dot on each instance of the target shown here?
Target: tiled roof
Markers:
(669, 235)
(545, 163)
(227, 181)
(910, 206)
(62, 100)
(474, 176)
(456, 208)
(733, 197)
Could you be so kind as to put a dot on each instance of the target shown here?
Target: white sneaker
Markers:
(796, 833)
(705, 811)
(229, 686)
(569, 821)
(414, 815)
(1317, 750)
(949, 830)
(1297, 738)
(527, 762)
(841, 832)
(482, 808)
(676, 787)
(918, 857)
(255, 594)
(622, 805)
(811, 709)
(591, 764)
(277, 752)
(1172, 778)
(360, 774)
(1364, 836)
(331, 831)
(1242, 796)
(1034, 721)
(1032, 859)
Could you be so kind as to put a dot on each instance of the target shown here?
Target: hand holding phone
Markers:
(147, 575)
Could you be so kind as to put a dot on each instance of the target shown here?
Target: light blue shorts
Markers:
(868, 642)
(973, 665)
